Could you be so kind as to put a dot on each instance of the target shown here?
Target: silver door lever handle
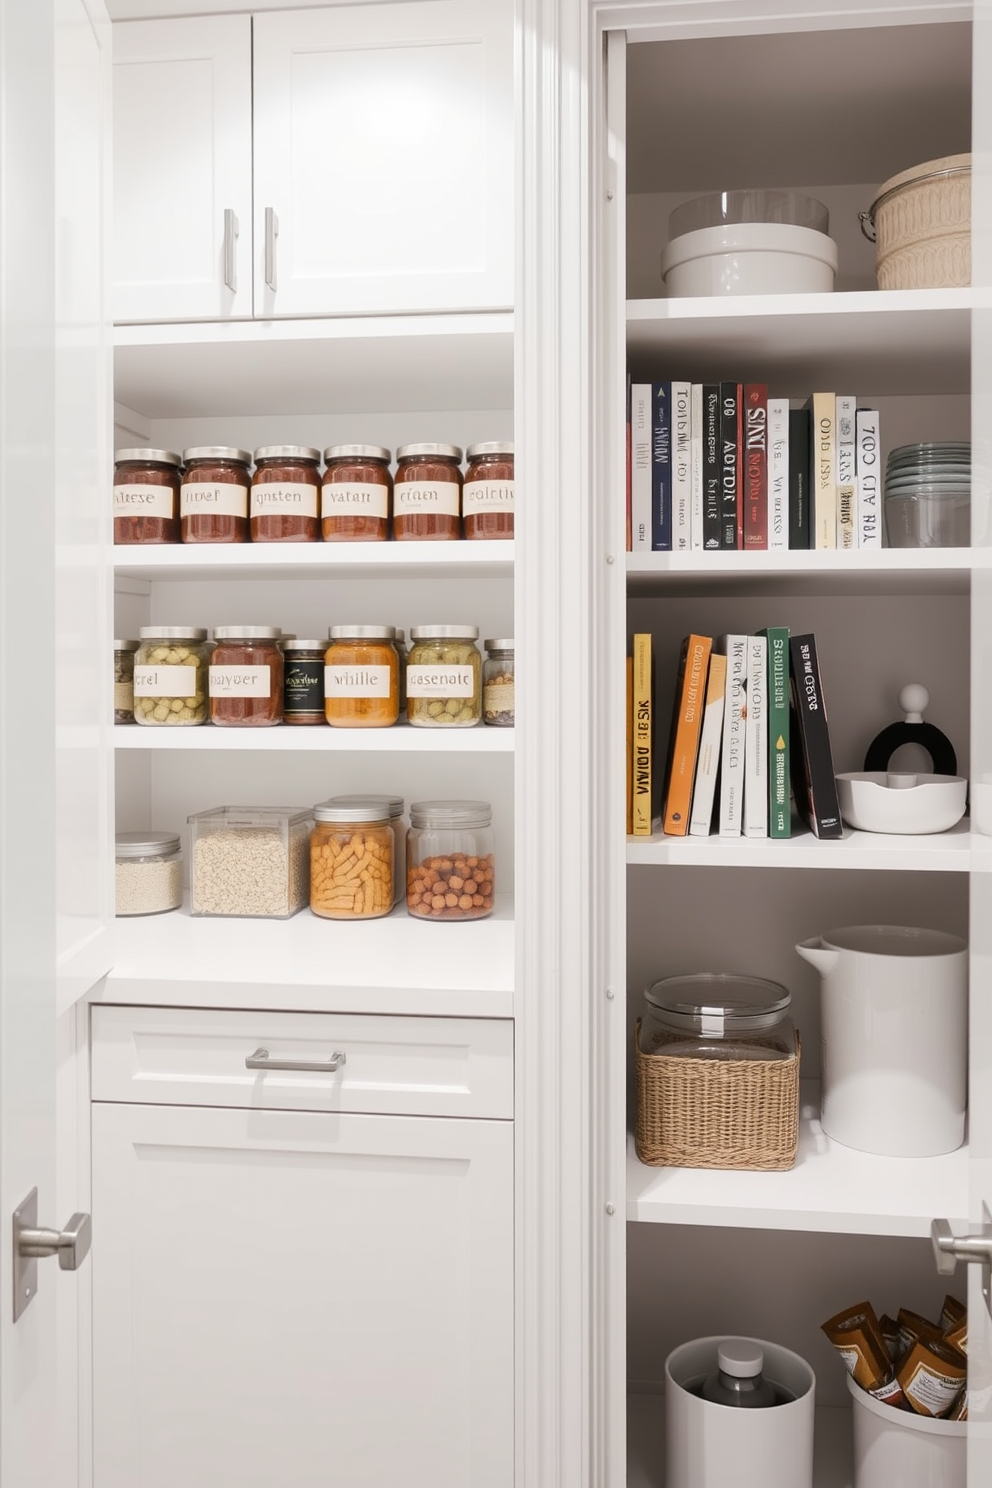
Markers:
(71, 1245)
(975, 1250)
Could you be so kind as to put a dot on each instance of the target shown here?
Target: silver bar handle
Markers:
(271, 233)
(230, 249)
(261, 1060)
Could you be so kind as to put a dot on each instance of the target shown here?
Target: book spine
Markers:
(800, 484)
(687, 717)
(712, 465)
(823, 439)
(778, 474)
(681, 467)
(756, 739)
(734, 647)
(630, 743)
(814, 784)
(696, 446)
(641, 751)
(754, 468)
(777, 671)
(730, 442)
(640, 466)
(628, 466)
(710, 740)
(847, 526)
(661, 467)
(868, 475)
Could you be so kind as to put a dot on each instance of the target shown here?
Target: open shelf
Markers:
(372, 560)
(878, 571)
(401, 738)
(942, 852)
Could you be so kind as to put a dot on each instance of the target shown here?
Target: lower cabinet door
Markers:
(301, 1298)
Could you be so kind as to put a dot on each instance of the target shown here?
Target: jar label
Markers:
(356, 499)
(165, 681)
(123, 697)
(295, 498)
(143, 501)
(218, 499)
(410, 497)
(440, 682)
(303, 688)
(235, 681)
(357, 681)
(497, 697)
(487, 496)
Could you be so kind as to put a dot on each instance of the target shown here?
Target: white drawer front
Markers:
(407, 1066)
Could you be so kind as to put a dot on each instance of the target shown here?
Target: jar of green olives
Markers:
(170, 675)
(444, 677)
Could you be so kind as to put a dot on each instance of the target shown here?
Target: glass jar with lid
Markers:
(170, 675)
(403, 652)
(246, 676)
(444, 677)
(352, 860)
(303, 681)
(427, 493)
(394, 805)
(361, 677)
(213, 498)
(148, 872)
(449, 860)
(285, 494)
(146, 496)
(487, 495)
(124, 680)
(497, 683)
(356, 494)
(716, 1015)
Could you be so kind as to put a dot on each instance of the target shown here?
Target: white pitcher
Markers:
(894, 1021)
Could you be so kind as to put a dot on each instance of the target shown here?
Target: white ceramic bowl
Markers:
(750, 258)
(901, 802)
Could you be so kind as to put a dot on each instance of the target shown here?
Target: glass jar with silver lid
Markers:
(170, 675)
(395, 806)
(356, 496)
(148, 872)
(488, 492)
(427, 493)
(497, 683)
(444, 677)
(450, 868)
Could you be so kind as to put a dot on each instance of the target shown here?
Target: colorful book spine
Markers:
(756, 739)
(778, 474)
(641, 750)
(813, 781)
(734, 647)
(847, 525)
(754, 464)
(661, 467)
(800, 480)
(823, 442)
(640, 467)
(779, 815)
(630, 743)
(868, 475)
(712, 466)
(710, 742)
(696, 446)
(681, 467)
(730, 463)
(628, 465)
(683, 744)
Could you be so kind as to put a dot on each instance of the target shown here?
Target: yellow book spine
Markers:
(630, 741)
(641, 749)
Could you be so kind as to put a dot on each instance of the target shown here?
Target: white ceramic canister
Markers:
(710, 1446)
(749, 258)
(899, 1449)
(894, 1023)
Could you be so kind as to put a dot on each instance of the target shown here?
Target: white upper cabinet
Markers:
(381, 139)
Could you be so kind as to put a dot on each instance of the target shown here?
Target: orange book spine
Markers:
(687, 721)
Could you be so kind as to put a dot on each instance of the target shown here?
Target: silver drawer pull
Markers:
(261, 1060)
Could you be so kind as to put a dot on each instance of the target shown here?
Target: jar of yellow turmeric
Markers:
(361, 677)
(351, 861)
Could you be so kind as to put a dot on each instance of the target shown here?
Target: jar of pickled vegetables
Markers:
(361, 677)
(449, 860)
(170, 675)
(444, 677)
(351, 860)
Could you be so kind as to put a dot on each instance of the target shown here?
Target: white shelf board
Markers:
(906, 341)
(373, 560)
(372, 364)
(831, 1189)
(401, 738)
(394, 965)
(942, 852)
(833, 1447)
(822, 571)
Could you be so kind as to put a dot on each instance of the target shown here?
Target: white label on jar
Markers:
(932, 1390)
(222, 500)
(440, 682)
(487, 496)
(295, 498)
(143, 501)
(356, 499)
(165, 681)
(235, 681)
(356, 681)
(425, 496)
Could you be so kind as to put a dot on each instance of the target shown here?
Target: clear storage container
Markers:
(170, 675)
(352, 852)
(711, 1015)
(498, 684)
(249, 861)
(148, 872)
(449, 860)
(394, 806)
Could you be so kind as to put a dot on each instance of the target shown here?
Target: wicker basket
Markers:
(920, 223)
(717, 1113)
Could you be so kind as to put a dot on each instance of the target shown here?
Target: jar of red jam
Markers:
(285, 494)
(356, 493)
(487, 495)
(213, 498)
(146, 496)
(427, 493)
(245, 677)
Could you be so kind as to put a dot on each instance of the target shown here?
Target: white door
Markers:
(182, 169)
(301, 1297)
(384, 158)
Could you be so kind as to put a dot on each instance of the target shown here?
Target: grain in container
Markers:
(444, 677)
(246, 676)
(170, 675)
(450, 871)
(352, 852)
(124, 680)
(146, 496)
(356, 493)
(427, 493)
(148, 872)
(285, 494)
(303, 681)
(361, 677)
(249, 861)
(213, 498)
(488, 491)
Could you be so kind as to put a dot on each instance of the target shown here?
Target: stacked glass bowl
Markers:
(928, 495)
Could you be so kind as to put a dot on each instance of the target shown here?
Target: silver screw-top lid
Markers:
(217, 452)
(248, 633)
(451, 814)
(297, 645)
(489, 447)
(146, 844)
(361, 633)
(504, 645)
(446, 451)
(356, 452)
(172, 633)
(286, 452)
(444, 632)
(126, 645)
(364, 809)
(160, 457)
(393, 804)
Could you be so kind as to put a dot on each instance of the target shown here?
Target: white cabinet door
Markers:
(182, 169)
(384, 158)
(298, 1297)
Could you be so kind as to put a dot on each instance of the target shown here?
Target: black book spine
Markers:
(730, 466)
(813, 782)
(800, 478)
(712, 465)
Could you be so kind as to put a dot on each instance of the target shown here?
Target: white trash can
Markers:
(899, 1449)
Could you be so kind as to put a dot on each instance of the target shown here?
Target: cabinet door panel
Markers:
(283, 1297)
(182, 169)
(384, 147)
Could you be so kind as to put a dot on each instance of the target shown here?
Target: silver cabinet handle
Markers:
(31, 1244)
(949, 1248)
(271, 233)
(261, 1060)
(230, 249)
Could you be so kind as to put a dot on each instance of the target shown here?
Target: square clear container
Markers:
(249, 861)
